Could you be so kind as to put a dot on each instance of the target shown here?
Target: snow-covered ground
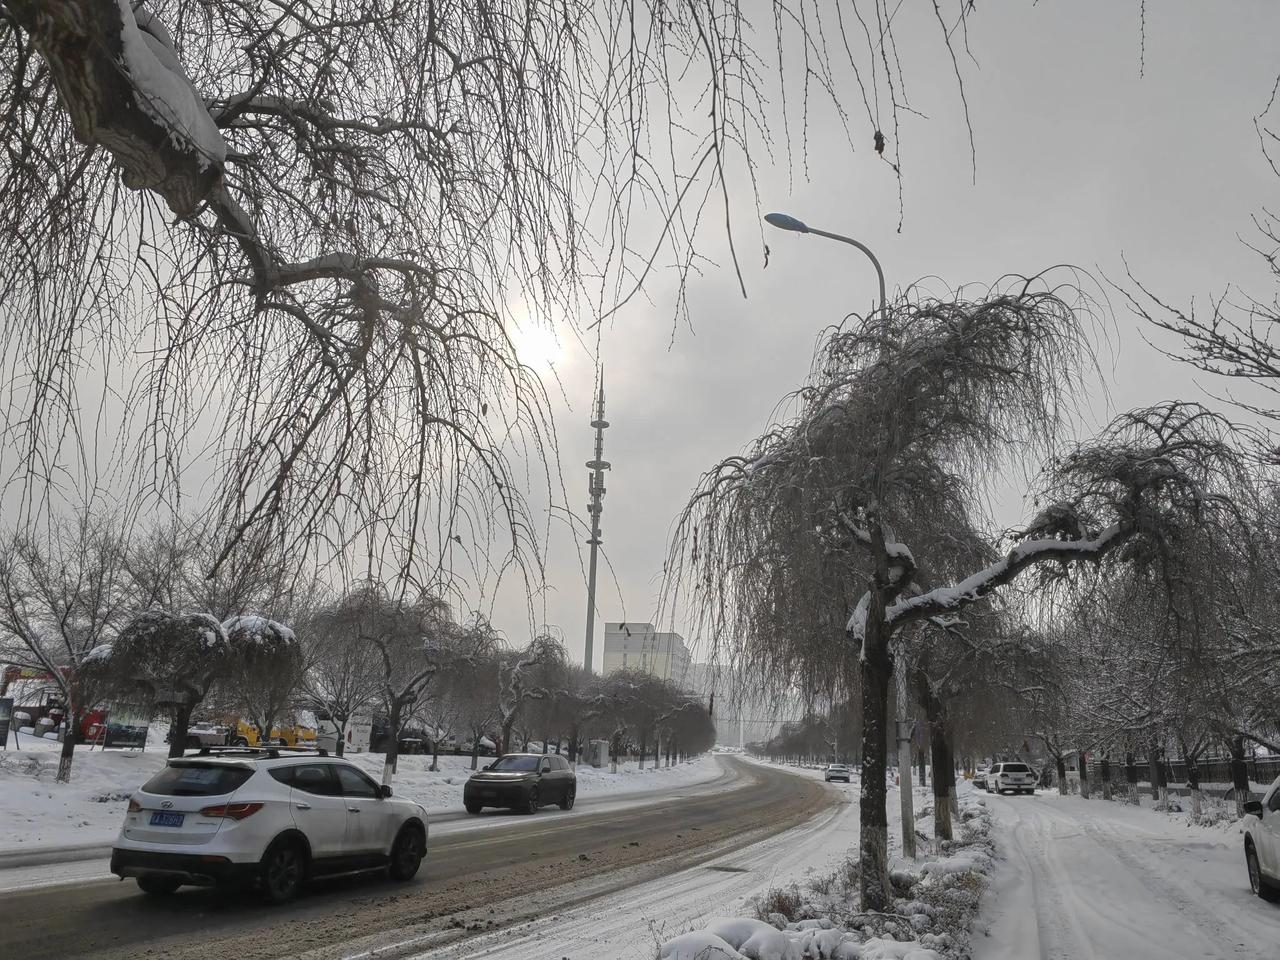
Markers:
(643, 916)
(1095, 879)
(648, 914)
(41, 814)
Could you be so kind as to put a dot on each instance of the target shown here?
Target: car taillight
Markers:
(232, 811)
(134, 806)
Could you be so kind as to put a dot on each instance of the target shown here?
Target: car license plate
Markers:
(163, 819)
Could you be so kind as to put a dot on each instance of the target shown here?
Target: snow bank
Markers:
(40, 812)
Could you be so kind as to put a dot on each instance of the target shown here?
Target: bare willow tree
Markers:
(322, 219)
(907, 416)
(63, 596)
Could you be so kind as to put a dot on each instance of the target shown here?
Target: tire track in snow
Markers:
(1105, 882)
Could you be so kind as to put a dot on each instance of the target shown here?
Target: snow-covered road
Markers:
(629, 924)
(1093, 880)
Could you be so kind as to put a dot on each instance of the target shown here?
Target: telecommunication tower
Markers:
(595, 487)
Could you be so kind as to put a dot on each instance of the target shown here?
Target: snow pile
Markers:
(935, 907)
(746, 939)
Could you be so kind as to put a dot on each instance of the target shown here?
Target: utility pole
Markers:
(595, 487)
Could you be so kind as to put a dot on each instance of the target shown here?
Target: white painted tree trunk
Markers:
(904, 764)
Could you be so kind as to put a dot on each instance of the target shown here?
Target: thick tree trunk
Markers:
(873, 830)
(505, 745)
(1105, 774)
(1084, 773)
(943, 773)
(82, 41)
(1131, 777)
(944, 769)
(435, 754)
(393, 747)
(74, 721)
(1153, 771)
(178, 727)
(475, 751)
(1062, 775)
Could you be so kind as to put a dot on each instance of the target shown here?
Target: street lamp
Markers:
(784, 221)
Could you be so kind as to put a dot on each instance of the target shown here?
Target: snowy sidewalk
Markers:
(1093, 880)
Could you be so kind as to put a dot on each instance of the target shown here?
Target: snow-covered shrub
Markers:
(698, 945)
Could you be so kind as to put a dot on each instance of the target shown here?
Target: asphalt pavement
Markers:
(466, 883)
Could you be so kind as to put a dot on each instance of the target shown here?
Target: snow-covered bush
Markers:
(933, 911)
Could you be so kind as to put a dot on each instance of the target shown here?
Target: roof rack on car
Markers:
(270, 751)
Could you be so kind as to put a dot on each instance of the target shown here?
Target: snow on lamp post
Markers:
(784, 221)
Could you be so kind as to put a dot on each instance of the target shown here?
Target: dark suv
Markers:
(522, 781)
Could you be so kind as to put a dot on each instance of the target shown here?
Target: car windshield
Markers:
(1014, 768)
(191, 780)
(516, 763)
(838, 766)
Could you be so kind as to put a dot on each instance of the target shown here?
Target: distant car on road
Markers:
(1012, 777)
(1262, 843)
(837, 771)
(262, 817)
(980, 778)
(522, 781)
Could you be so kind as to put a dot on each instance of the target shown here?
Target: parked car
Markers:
(522, 781)
(201, 734)
(1015, 777)
(836, 771)
(231, 817)
(980, 778)
(1262, 843)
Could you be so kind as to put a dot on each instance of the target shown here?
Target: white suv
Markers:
(1262, 843)
(837, 771)
(266, 817)
(1017, 777)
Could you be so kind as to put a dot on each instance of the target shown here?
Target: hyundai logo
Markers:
(166, 804)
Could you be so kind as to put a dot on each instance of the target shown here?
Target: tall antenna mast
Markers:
(595, 487)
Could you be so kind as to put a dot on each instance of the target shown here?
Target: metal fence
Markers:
(1211, 770)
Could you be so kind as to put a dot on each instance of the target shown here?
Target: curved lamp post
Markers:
(784, 221)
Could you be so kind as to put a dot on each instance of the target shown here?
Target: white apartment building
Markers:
(638, 646)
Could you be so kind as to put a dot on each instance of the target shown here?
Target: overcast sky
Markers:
(1079, 160)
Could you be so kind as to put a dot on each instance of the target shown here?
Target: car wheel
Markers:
(532, 802)
(158, 886)
(239, 742)
(567, 802)
(473, 808)
(1257, 882)
(284, 867)
(407, 853)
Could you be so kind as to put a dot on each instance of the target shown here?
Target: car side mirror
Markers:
(486, 766)
(384, 791)
(1254, 807)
